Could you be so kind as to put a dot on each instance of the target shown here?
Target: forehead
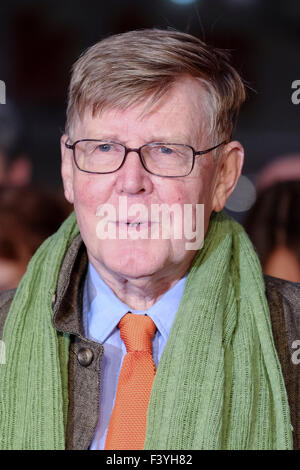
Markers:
(181, 115)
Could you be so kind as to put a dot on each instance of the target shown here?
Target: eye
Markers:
(166, 150)
(104, 147)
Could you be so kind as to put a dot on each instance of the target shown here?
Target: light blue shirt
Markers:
(102, 311)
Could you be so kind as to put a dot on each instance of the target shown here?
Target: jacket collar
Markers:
(67, 303)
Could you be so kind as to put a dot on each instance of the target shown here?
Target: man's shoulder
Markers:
(289, 290)
(284, 305)
(5, 302)
(284, 300)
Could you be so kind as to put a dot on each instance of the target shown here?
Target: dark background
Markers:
(39, 41)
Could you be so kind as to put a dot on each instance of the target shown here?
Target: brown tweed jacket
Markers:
(85, 355)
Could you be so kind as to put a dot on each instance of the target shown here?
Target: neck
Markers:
(142, 292)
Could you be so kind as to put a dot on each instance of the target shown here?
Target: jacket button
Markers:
(85, 356)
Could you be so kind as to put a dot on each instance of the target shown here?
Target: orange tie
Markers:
(127, 425)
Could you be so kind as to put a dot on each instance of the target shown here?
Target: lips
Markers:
(134, 223)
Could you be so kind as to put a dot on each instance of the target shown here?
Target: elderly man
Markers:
(124, 334)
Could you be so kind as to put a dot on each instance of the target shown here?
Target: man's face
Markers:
(180, 117)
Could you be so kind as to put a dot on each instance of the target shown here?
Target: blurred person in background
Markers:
(15, 165)
(273, 222)
(28, 215)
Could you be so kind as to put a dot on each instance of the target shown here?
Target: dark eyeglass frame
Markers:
(138, 151)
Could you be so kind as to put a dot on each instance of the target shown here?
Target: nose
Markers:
(132, 178)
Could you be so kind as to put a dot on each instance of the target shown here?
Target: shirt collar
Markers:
(103, 309)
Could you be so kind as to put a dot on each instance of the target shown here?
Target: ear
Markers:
(229, 170)
(67, 169)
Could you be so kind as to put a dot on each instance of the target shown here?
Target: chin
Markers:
(133, 261)
(132, 272)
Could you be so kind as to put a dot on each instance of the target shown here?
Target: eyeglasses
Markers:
(160, 159)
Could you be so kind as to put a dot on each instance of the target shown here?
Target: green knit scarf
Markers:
(218, 384)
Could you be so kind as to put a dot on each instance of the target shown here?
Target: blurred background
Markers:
(40, 40)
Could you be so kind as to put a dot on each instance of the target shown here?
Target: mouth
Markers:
(140, 223)
(134, 224)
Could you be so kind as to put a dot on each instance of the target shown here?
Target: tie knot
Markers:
(137, 332)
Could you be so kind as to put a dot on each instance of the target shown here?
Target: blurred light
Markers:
(183, 2)
(243, 196)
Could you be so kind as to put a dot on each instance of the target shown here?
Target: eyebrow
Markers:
(174, 139)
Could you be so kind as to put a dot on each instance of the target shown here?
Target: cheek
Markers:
(89, 192)
(190, 191)
(201, 186)
(173, 191)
